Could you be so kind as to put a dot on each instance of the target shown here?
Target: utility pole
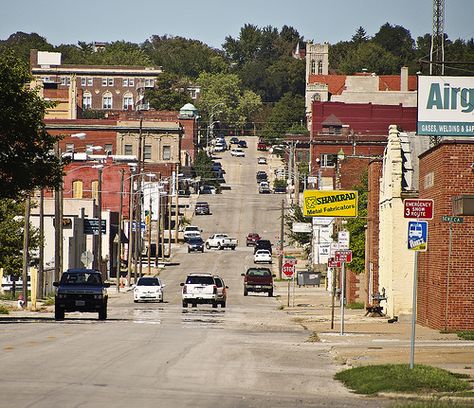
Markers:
(99, 237)
(26, 242)
(176, 226)
(57, 224)
(282, 237)
(119, 232)
(41, 246)
(138, 254)
(130, 233)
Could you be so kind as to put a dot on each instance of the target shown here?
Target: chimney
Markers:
(404, 79)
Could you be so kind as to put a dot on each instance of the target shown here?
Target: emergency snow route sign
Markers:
(418, 236)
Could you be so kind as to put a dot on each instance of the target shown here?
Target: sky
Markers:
(211, 21)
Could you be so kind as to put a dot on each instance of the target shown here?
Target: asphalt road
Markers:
(250, 354)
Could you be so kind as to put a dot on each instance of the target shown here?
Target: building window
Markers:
(128, 150)
(313, 67)
(108, 148)
(83, 81)
(86, 100)
(65, 81)
(95, 189)
(104, 81)
(77, 189)
(166, 152)
(131, 82)
(90, 81)
(125, 82)
(149, 83)
(107, 101)
(320, 67)
(69, 147)
(127, 101)
(147, 152)
(111, 81)
(328, 160)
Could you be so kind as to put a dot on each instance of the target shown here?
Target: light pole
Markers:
(211, 122)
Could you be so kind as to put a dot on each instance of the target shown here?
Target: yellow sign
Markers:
(330, 203)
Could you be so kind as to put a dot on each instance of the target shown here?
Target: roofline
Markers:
(61, 126)
(83, 70)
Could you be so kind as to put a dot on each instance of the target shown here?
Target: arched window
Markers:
(86, 100)
(107, 100)
(77, 189)
(95, 190)
(313, 66)
(320, 67)
(127, 101)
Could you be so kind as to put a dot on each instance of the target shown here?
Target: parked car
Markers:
(252, 237)
(221, 241)
(191, 231)
(261, 145)
(237, 153)
(80, 290)
(148, 288)
(208, 190)
(261, 176)
(243, 144)
(195, 244)
(264, 188)
(279, 190)
(234, 140)
(221, 291)
(262, 244)
(262, 256)
(262, 160)
(199, 288)
(202, 208)
(219, 147)
(258, 280)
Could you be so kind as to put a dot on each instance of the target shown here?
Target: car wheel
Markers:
(208, 246)
(223, 305)
(246, 292)
(135, 301)
(103, 313)
(214, 305)
(58, 314)
(270, 293)
(219, 247)
(185, 304)
(189, 250)
(233, 248)
(202, 250)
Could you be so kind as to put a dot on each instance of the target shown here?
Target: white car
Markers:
(237, 153)
(219, 147)
(262, 160)
(199, 288)
(262, 256)
(191, 231)
(148, 288)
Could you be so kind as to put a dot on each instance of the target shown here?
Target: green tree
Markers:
(360, 36)
(287, 112)
(397, 41)
(26, 162)
(21, 43)
(11, 236)
(356, 227)
(170, 92)
(203, 168)
(372, 57)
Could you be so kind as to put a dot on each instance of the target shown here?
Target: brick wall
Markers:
(445, 172)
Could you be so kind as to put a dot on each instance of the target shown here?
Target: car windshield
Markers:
(192, 229)
(258, 272)
(262, 252)
(200, 280)
(195, 241)
(81, 278)
(148, 282)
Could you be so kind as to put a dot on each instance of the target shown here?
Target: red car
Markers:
(252, 238)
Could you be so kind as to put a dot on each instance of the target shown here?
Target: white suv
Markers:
(199, 288)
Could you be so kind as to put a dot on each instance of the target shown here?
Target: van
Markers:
(262, 244)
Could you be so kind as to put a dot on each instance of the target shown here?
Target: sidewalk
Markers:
(372, 340)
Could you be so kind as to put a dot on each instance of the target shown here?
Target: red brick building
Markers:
(446, 277)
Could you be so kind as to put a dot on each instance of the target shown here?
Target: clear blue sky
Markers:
(210, 21)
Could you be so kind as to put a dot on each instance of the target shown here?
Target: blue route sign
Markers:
(418, 235)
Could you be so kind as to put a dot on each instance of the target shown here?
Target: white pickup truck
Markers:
(221, 241)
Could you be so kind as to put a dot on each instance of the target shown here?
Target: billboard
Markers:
(445, 106)
(330, 203)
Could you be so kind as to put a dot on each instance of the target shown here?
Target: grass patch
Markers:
(49, 301)
(400, 378)
(4, 310)
(432, 404)
(466, 334)
(356, 305)
(314, 338)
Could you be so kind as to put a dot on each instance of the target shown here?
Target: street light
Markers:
(211, 122)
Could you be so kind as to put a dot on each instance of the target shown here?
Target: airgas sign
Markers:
(333, 203)
(445, 106)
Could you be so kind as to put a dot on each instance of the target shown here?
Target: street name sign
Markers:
(330, 203)
(418, 236)
(455, 220)
(418, 208)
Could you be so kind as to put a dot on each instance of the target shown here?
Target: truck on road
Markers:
(221, 241)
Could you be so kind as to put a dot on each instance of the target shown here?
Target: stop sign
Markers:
(288, 269)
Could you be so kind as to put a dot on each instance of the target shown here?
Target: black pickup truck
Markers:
(80, 290)
(258, 280)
